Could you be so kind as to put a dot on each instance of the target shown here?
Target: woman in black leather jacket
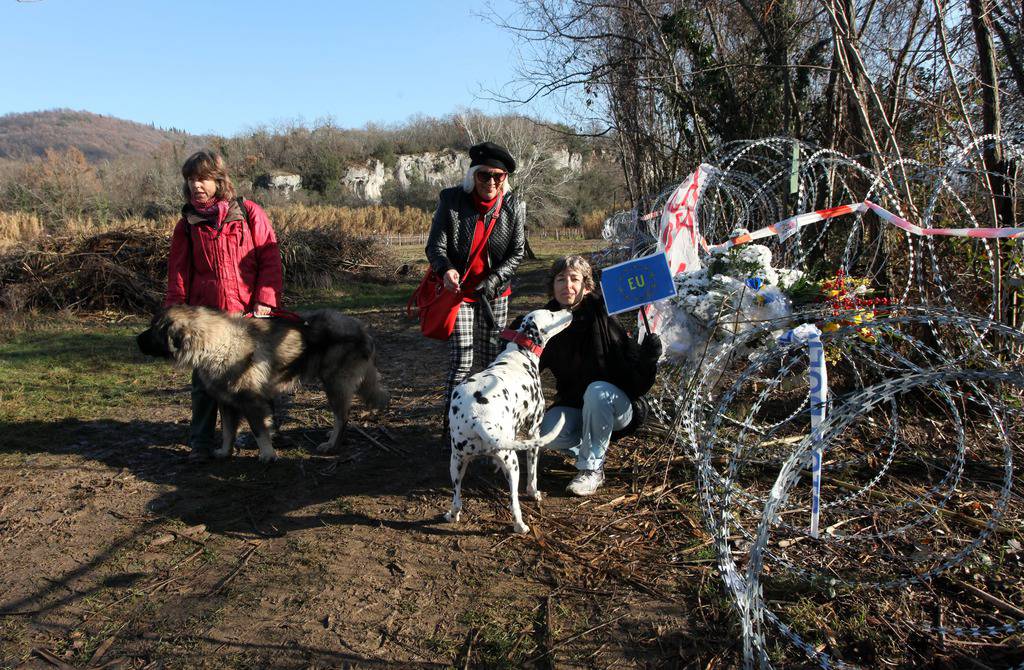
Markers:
(464, 214)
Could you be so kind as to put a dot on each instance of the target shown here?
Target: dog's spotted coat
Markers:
(493, 407)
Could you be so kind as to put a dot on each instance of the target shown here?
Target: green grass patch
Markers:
(503, 636)
(353, 296)
(59, 366)
(77, 370)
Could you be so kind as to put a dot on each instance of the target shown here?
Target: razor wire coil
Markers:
(942, 356)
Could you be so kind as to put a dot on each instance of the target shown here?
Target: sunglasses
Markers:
(496, 177)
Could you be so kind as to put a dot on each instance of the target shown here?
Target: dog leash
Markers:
(486, 312)
(522, 340)
(276, 314)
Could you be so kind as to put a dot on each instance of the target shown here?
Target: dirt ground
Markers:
(117, 552)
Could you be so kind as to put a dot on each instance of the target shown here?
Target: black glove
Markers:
(651, 347)
(488, 288)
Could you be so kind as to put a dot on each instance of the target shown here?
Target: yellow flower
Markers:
(867, 335)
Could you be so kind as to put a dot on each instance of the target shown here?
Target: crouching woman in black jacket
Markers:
(601, 374)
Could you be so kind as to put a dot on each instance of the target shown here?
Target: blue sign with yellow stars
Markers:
(637, 282)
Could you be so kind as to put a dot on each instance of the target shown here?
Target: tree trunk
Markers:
(530, 255)
(995, 164)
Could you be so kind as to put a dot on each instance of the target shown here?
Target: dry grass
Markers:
(122, 265)
(360, 221)
(364, 221)
(591, 223)
(367, 221)
(18, 226)
(21, 227)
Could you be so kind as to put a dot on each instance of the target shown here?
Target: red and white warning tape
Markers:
(787, 227)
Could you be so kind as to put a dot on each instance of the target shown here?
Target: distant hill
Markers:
(98, 137)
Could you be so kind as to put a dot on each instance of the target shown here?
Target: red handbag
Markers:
(438, 307)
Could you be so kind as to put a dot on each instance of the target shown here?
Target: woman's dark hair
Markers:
(577, 263)
(208, 165)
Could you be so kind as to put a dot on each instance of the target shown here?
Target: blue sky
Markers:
(226, 66)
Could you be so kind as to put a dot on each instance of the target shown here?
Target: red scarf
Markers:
(476, 272)
(484, 206)
(213, 210)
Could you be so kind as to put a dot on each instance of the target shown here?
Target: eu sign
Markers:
(635, 283)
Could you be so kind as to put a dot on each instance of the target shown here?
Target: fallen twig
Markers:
(101, 649)
(238, 568)
(475, 633)
(988, 597)
(52, 659)
(378, 443)
(576, 636)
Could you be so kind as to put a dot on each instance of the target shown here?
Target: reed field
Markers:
(368, 221)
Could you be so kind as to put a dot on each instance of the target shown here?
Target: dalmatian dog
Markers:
(491, 408)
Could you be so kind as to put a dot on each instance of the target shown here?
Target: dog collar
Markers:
(522, 340)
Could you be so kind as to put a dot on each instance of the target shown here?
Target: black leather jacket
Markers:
(451, 235)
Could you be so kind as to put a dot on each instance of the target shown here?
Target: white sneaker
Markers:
(586, 482)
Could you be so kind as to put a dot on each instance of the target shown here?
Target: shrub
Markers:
(323, 174)
(420, 194)
(58, 186)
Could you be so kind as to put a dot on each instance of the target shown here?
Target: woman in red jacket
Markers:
(223, 255)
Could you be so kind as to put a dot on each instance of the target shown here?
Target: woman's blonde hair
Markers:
(469, 181)
(208, 165)
(577, 263)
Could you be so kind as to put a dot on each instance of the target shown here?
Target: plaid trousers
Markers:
(472, 339)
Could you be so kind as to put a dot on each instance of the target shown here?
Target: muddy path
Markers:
(117, 552)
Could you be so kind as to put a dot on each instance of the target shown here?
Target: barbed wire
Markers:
(922, 418)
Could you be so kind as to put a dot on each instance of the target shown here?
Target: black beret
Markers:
(492, 155)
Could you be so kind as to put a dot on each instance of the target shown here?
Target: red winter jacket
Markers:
(231, 266)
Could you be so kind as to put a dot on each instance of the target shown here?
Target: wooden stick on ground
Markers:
(378, 443)
(469, 648)
(238, 568)
(577, 635)
(988, 597)
(52, 659)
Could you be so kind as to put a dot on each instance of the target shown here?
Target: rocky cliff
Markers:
(437, 168)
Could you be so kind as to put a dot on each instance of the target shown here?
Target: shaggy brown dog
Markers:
(245, 363)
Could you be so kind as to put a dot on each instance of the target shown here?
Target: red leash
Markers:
(276, 314)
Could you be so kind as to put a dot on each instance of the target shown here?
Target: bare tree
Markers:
(673, 79)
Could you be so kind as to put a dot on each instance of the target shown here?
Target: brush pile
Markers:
(125, 269)
(317, 258)
(120, 269)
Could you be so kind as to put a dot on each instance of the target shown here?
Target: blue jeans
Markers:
(587, 432)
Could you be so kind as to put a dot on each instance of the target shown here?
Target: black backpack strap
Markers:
(245, 217)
